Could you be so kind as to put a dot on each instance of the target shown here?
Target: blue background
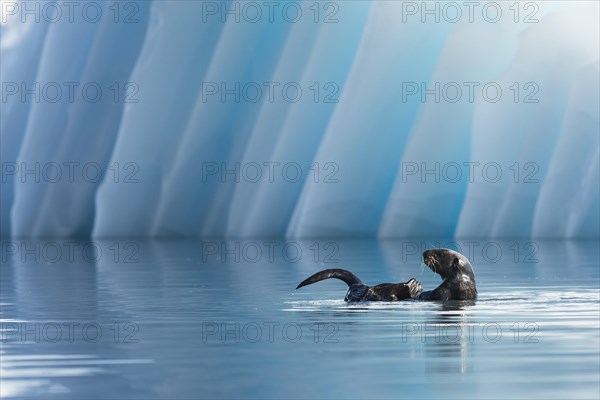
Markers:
(362, 150)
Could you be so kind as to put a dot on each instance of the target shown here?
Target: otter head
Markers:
(449, 264)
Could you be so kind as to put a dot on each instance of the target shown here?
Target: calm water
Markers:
(189, 319)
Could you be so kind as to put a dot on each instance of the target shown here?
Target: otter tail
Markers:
(340, 274)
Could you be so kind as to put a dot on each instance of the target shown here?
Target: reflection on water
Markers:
(188, 319)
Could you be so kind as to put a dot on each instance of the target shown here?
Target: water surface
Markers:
(189, 319)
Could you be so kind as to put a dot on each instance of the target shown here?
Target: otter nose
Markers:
(428, 257)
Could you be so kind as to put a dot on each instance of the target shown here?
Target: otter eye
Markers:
(456, 261)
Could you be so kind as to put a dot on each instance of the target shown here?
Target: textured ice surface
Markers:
(356, 136)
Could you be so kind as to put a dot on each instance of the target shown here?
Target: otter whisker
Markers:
(434, 262)
(432, 266)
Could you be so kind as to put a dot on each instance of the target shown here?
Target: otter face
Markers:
(449, 264)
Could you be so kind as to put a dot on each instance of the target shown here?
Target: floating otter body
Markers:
(358, 291)
(453, 267)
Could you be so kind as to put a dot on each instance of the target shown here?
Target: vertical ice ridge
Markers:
(63, 58)
(20, 53)
(67, 208)
(430, 187)
(169, 73)
(367, 130)
(258, 154)
(322, 78)
(563, 195)
(217, 131)
(560, 64)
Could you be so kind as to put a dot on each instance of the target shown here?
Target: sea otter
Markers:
(453, 267)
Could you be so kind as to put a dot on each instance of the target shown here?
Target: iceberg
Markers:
(301, 119)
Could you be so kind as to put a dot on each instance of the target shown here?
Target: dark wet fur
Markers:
(457, 273)
(384, 291)
(454, 268)
(358, 291)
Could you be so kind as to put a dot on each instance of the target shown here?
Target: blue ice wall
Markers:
(300, 119)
